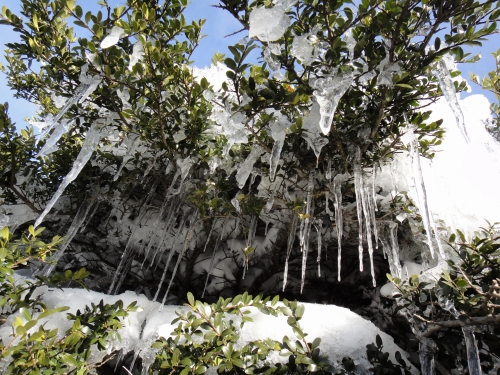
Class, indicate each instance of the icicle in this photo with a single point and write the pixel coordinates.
(350, 43)
(443, 74)
(365, 196)
(155, 225)
(77, 222)
(436, 236)
(311, 132)
(358, 187)
(130, 143)
(51, 143)
(91, 141)
(327, 205)
(318, 225)
(245, 168)
(132, 240)
(186, 244)
(372, 207)
(470, 340)
(420, 188)
(89, 217)
(305, 229)
(119, 359)
(328, 94)
(278, 134)
(170, 256)
(339, 221)
(216, 247)
(291, 240)
(391, 247)
(374, 193)
(426, 353)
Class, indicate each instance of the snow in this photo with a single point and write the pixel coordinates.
(343, 332)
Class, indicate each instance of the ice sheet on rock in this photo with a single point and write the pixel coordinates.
(130, 143)
(268, 24)
(246, 167)
(329, 91)
(137, 54)
(420, 188)
(447, 86)
(291, 240)
(338, 180)
(113, 37)
(91, 141)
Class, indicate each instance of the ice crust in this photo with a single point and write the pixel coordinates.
(268, 24)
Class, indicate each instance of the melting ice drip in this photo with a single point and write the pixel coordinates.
(443, 74)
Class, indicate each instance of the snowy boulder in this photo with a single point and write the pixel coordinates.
(343, 332)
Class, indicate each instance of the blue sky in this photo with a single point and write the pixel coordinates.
(218, 25)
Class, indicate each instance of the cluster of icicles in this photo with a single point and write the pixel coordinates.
(329, 91)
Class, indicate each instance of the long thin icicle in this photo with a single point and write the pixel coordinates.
(470, 340)
(318, 224)
(186, 245)
(132, 240)
(421, 191)
(278, 134)
(305, 229)
(245, 168)
(443, 74)
(365, 196)
(291, 240)
(77, 222)
(358, 187)
(91, 140)
(338, 180)
(216, 247)
(131, 143)
(155, 225)
(391, 247)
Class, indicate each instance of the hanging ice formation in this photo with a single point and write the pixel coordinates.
(113, 37)
(338, 180)
(390, 246)
(269, 24)
(312, 133)
(251, 235)
(77, 222)
(161, 212)
(274, 65)
(421, 191)
(232, 127)
(216, 248)
(426, 355)
(350, 43)
(278, 133)
(132, 240)
(318, 224)
(245, 168)
(470, 340)
(183, 167)
(329, 91)
(130, 143)
(88, 84)
(291, 240)
(305, 228)
(186, 241)
(91, 140)
(365, 206)
(443, 74)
